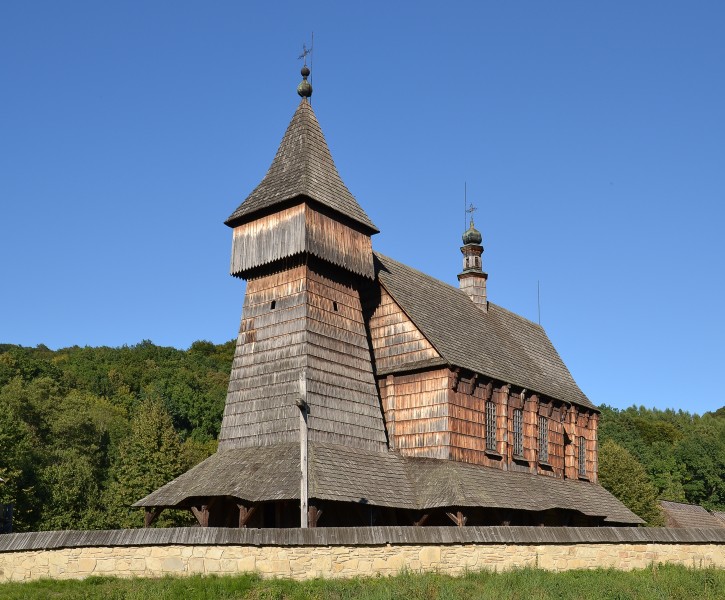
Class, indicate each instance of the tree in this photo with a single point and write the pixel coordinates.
(148, 458)
(17, 460)
(626, 478)
(81, 428)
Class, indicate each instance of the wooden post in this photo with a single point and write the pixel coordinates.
(458, 518)
(420, 522)
(313, 515)
(201, 514)
(245, 513)
(302, 405)
(150, 515)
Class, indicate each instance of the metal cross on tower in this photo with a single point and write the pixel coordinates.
(470, 210)
(305, 52)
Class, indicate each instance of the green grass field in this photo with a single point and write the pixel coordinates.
(656, 582)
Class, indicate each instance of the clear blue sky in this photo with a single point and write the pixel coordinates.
(591, 136)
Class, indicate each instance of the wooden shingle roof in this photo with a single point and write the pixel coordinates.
(497, 343)
(303, 167)
(688, 515)
(348, 474)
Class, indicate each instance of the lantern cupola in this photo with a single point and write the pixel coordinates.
(472, 279)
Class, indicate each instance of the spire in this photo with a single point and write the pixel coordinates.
(303, 167)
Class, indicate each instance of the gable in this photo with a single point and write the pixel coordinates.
(396, 340)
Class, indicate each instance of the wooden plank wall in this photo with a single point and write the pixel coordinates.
(416, 405)
(395, 339)
(298, 229)
(301, 322)
(552, 410)
(341, 391)
(582, 422)
(270, 353)
(468, 420)
(332, 240)
(273, 237)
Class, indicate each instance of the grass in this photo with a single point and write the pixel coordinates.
(655, 582)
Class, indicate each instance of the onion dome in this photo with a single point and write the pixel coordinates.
(472, 235)
(304, 89)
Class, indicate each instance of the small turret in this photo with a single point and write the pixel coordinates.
(472, 279)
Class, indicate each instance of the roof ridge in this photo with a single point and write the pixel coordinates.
(453, 287)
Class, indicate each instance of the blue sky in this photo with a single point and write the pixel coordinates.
(591, 137)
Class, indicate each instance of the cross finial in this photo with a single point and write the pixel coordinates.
(305, 52)
(470, 210)
(304, 89)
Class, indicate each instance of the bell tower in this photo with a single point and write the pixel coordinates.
(303, 244)
(472, 279)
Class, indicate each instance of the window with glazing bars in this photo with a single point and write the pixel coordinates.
(518, 432)
(582, 457)
(490, 426)
(543, 439)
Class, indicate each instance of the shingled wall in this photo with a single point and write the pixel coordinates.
(348, 552)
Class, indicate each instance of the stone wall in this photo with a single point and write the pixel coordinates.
(301, 554)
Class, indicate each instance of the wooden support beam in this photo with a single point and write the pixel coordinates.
(474, 382)
(245, 513)
(455, 378)
(313, 515)
(202, 513)
(304, 409)
(420, 522)
(488, 391)
(151, 514)
(458, 518)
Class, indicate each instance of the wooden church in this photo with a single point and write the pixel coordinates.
(364, 392)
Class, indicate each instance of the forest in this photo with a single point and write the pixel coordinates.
(85, 432)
